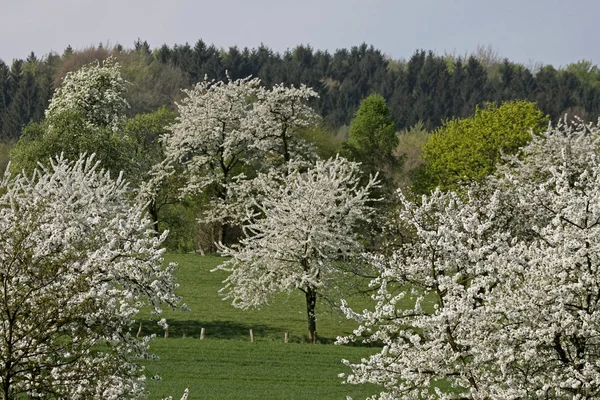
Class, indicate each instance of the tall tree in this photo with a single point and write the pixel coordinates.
(225, 129)
(84, 116)
(96, 92)
(372, 136)
(78, 260)
(298, 234)
(22, 107)
(4, 99)
(504, 296)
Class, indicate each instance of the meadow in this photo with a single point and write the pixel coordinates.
(226, 365)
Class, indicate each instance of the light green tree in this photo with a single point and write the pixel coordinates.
(468, 150)
(372, 137)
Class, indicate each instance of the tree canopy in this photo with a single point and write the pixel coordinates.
(230, 130)
(84, 116)
(424, 87)
(372, 137)
(467, 150)
(78, 261)
(299, 230)
(504, 284)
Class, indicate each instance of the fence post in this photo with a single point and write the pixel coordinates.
(251, 335)
(201, 333)
(139, 332)
(286, 337)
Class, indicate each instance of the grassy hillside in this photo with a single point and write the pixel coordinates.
(225, 365)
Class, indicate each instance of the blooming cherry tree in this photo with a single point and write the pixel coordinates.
(440, 274)
(297, 231)
(498, 293)
(85, 115)
(228, 128)
(95, 92)
(77, 262)
(276, 115)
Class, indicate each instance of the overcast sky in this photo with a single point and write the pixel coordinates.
(525, 31)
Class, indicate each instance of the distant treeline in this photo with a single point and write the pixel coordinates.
(427, 88)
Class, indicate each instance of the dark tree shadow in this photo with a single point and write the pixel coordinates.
(213, 329)
(230, 330)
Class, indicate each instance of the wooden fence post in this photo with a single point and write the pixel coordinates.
(286, 337)
(201, 333)
(251, 335)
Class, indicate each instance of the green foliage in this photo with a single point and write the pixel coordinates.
(326, 141)
(180, 219)
(70, 135)
(153, 84)
(5, 149)
(467, 150)
(225, 365)
(144, 132)
(410, 150)
(586, 72)
(372, 137)
(426, 87)
(84, 116)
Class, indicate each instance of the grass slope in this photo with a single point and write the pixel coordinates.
(227, 366)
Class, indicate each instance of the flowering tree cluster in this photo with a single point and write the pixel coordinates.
(77, 262)
(95, 92)
(298, 228)
(225, 129)
(502, 282)
(85, 115)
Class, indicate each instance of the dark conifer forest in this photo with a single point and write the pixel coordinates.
(425, 87)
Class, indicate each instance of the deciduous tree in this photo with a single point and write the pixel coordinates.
(468, 150)
(372, 137)
(77, 262)
(84, 116)
(499, 286)
(298, 231)
(94, 91)
(228, 128)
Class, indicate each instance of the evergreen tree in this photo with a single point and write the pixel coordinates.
(22, 107)
(4, 99)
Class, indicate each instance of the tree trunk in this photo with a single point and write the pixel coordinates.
(311, 301)
(153, 211)
(222, 234)
(6, 387)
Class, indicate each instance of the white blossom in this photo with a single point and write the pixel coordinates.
(503, 284)
(228, 128)
(77, 262)
(299, 228)
(95, 92)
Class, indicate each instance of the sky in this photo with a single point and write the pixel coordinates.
(530, 32)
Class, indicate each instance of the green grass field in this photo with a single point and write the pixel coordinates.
(226, 365)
